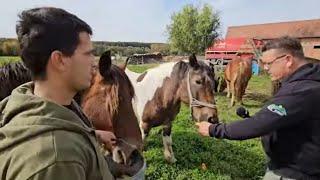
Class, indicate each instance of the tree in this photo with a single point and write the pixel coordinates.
(10, 47)
(193, 29)
(160, 47)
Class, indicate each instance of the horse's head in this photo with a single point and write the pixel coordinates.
(108, 103)
(199, 91)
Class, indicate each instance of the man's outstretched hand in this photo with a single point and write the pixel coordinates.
(203, 128)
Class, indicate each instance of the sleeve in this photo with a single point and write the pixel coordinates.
(280, 112)
(61, 170)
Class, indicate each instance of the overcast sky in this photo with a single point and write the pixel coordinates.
(146, 20)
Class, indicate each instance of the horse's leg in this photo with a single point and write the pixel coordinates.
(239, 95)
(243, 89)
(167, 143)
(233, 92)
(228, 89)
(145, 129)
(238, 90)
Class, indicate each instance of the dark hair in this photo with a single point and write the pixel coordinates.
(287, 44)
(43, 30)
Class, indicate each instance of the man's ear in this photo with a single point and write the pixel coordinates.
(58, 61)
(290, 60)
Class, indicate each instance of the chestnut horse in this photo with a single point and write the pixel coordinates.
(237, 75)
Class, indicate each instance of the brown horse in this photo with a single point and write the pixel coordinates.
(107, 103)
(160, 91)
(237, 75)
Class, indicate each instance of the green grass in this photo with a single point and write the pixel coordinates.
(141, 68)
(7, 59)
(207, 158)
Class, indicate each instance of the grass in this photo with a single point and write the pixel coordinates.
(207, 158)
(141, 68)
(7, 59)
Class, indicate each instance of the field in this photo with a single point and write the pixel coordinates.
(206, 158)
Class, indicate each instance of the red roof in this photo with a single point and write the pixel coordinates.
(230, 48)
(233, 44)
(298, 29)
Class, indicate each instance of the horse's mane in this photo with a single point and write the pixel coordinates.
(118, 78)
(11, 76)
(112, 84)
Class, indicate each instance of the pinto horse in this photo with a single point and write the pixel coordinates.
(107, 103)
(160, 91)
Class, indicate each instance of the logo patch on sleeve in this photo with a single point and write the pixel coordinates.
(278, 109)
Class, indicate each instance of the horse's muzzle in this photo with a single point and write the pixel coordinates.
(125, 160)
(213, 120)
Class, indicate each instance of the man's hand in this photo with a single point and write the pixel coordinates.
(203, 128)
(107, 138)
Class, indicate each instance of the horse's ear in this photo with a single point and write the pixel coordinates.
(124, 66)
(105, 64)
(193, 61)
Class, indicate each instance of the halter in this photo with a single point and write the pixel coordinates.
(193, 102)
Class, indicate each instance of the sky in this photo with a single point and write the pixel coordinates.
(146, 20)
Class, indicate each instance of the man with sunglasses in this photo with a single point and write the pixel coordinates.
(289, 123)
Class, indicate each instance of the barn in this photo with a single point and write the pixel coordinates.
(146, 58)
(306, 30)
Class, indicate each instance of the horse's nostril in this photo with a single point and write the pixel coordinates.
(212, 120)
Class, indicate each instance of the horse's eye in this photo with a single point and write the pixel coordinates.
(198, 81)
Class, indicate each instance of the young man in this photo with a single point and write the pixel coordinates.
(43, 133)
(290, 122)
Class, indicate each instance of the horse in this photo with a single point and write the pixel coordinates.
(11, 76)
(219, 82)
(107, 103)
(109, 98)
(237, 75)
(160, 91)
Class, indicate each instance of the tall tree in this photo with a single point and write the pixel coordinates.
(193, 29)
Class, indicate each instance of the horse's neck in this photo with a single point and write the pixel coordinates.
(153, 79)
(145, 89)
(133, 76)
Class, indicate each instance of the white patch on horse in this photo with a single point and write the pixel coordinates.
(133, 76)
(146, 88)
